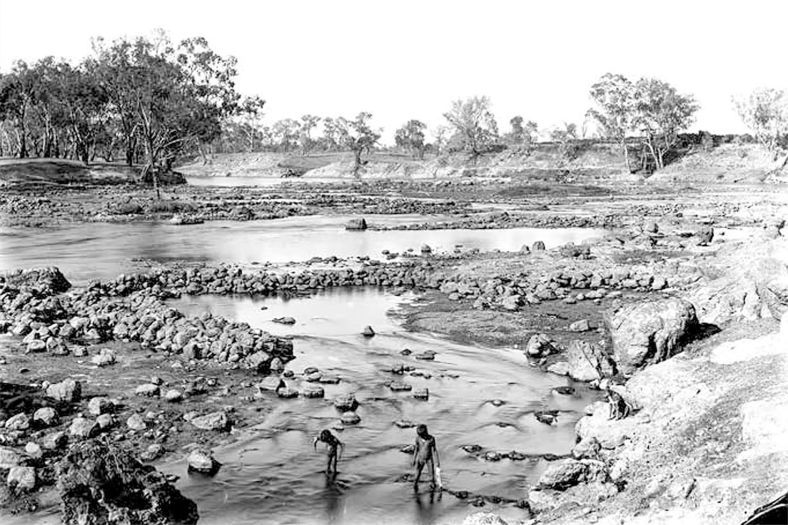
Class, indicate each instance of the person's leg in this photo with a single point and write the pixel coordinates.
(419, 468)
(335, 457)
(328, 465)
(432, 472)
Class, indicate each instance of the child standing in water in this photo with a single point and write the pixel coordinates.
(426, 452)
(334, 448)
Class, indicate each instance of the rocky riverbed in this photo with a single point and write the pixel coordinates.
(675, 311)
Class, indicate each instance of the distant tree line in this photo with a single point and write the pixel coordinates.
(147, 101)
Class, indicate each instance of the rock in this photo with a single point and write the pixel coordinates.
(97, 467)
(82, 427)
(36, 346)
(9, 457)
(105, 357)
(346, 402)
(202, 461)
(399, 386)
(350, 418)
(312, 391)
(427, 355)
(212, 421)
(548, 417)
(22, 478)
(67, 391)
(368, 331)
(705, 236)
(105, 421)
(33, 450)
(270, 384)
(588, 447)
(148, 390)
(538, 246)
(45, 417)
(649, 332)
(152, 453)
(540, 345)
(483, 518)
(564, 390)
(100, 405)
(425, 249)
(55, 441)
(421, 393)
(287, 393)
(580, 326)
(356, 224)
(260, 362)
(585, 362)
(563, 474)
(20, 421)
(173, 396)
(284, 320)
(560, 368)
(135, 422)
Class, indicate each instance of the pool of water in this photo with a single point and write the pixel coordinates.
(272, 475)
(103, 250)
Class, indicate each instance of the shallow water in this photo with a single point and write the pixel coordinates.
(273, 476)
(101, 250)
(257, 181)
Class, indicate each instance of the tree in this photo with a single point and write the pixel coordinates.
(521, 134)
(410, 137)
(765, 113)
(308, 123)
(169, 98)
(286, 133)
(441, 134)
(475, 128)
(660, 113)
(357, 136)
(17, 94)
(250, 114)
(614, 109)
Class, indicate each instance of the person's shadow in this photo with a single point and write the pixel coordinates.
(426, 510)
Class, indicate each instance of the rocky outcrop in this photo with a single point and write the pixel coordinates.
(587, 362)
(101, 483)
(649, 332)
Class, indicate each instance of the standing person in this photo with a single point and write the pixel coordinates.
(426, 452)
(334, 448)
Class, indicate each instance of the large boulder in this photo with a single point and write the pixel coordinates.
(586, 361)
(649, 332)
(101, 483)
(43, 281)
(202, 461)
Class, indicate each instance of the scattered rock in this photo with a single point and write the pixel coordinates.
(67, 391)
(202, 461)
(82, 427)
(148, 390)
(356, 224)
(368, 331)
(350, 418)
(22, 478)
(346, 402)
(135, 422)
(212, 421)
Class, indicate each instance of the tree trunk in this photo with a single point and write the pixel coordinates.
(626, 156)
(357, 163)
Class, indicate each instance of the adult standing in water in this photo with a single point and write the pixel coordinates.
(426, 451)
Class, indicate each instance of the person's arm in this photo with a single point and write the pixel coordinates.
(415, 452)
(314, 443)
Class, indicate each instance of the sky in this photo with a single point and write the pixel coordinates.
(408, 59)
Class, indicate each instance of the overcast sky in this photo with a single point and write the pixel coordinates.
(408, 59)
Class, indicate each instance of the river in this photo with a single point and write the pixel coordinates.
(103, 250)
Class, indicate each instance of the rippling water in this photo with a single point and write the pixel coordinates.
(100, 250)
(273, 475)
